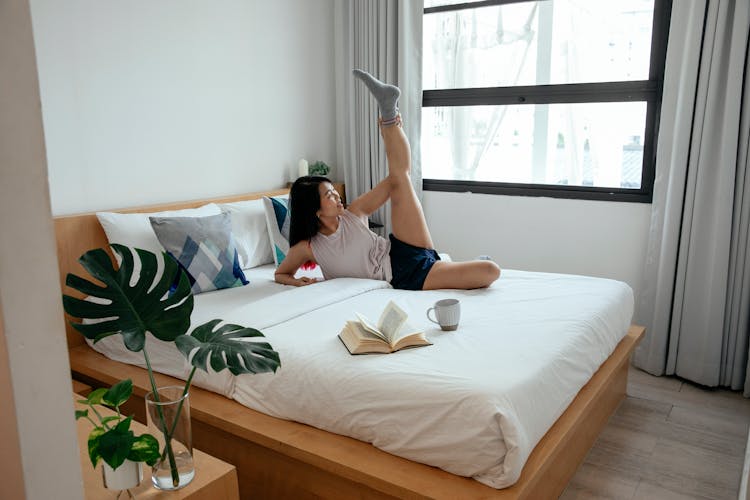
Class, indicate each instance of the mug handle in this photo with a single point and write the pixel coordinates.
(428, 316)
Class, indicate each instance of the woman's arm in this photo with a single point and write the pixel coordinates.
(298, 255)
(367, 203)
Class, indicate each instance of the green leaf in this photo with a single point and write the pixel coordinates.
(145, 448)
(227, 348)
(95, 396)
(109, 419)
(93, 444)
(118, 393)
(150, 305)
(115, 444)
(81, 414)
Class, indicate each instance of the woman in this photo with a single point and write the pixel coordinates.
(338, 239)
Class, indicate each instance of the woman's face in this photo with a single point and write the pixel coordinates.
(330, 201)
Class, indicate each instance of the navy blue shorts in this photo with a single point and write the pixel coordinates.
(410, 265)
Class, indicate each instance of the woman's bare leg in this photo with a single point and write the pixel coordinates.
(407, 218)
(462, 275)
(408, 223)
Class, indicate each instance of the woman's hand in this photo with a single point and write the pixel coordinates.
(286, 279)
(306, 281)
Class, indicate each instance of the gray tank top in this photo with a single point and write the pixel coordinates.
(353, 251)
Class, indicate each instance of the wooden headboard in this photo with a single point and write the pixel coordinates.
(77, 234)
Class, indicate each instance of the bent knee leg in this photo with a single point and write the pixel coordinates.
(462, 275)
(484, 273)
(487, 272)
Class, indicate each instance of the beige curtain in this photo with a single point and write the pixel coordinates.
(384, 38)
(696, 294)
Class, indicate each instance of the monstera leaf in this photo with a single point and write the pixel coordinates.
(150, 305)
(161, 305)
(225, 347)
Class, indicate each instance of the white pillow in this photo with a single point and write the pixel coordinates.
(250, 232)
(134, 230)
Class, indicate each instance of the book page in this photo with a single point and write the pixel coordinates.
(406, 330)
(366, 325)
(363, 333)
(391, 320)
(412, 339)
(359, 341)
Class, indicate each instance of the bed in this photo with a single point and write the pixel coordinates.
(548, 366)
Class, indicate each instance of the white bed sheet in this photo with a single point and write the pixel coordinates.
(475, 403)
(165, 358)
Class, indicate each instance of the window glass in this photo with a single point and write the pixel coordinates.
(537, 43)
(576, 144)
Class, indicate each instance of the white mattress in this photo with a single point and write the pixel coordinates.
(475, 403)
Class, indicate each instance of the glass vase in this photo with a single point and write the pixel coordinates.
(168, 415)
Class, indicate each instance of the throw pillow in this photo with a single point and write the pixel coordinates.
(278, 220)
(204, 248)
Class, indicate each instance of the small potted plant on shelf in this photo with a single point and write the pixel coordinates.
(132, 305)
(112, 441)
(320, 168)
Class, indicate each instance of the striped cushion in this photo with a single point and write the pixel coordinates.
(204, 249)
(278, 220)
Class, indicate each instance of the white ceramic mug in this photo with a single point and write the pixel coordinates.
(447, 312)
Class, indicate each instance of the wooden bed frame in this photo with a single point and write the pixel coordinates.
(282, 459)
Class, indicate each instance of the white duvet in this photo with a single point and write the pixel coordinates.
(475, 403)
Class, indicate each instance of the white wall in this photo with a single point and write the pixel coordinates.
(596, 238)
(147, 102)
(32, 330)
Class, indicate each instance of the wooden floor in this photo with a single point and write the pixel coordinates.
(668, 440)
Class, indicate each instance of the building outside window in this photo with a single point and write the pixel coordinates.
(549, 98)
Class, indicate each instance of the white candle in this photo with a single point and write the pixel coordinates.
(303, 168)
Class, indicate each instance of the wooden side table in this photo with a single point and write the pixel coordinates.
(214, 478)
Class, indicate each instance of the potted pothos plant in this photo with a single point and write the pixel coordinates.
(160, 304)
(111, 439)
(319, 168)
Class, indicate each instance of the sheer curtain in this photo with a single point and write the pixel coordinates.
(696, 295)
(384, 38)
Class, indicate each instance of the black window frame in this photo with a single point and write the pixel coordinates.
(649, 91)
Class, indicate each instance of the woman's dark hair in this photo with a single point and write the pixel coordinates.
(304, 203)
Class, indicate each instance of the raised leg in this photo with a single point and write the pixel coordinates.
(407, 218)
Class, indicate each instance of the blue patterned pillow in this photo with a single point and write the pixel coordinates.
(204, 248)
(278, 220)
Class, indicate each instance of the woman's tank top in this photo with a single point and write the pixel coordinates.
(353, 251)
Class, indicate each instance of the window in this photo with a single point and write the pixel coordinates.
(543, 98)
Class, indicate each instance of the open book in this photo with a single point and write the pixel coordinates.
(391, 334)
